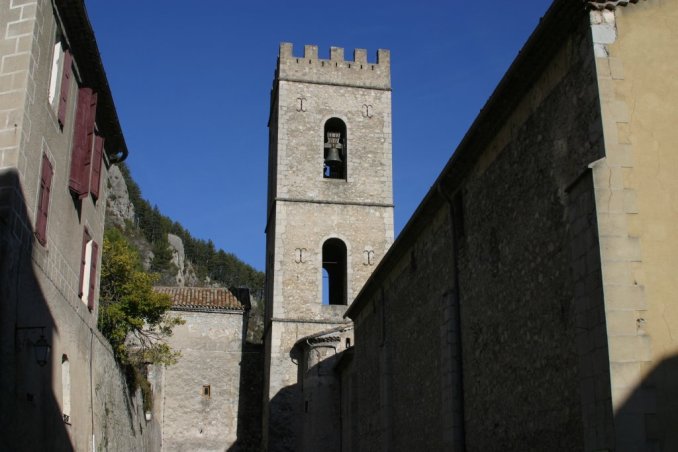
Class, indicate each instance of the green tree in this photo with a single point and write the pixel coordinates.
(162, 255)
(133, 317)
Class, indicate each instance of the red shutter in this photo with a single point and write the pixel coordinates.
(81, 157)
(43, 200)
(66, 75)
(97, 160)
(92, 275)
(83, 262)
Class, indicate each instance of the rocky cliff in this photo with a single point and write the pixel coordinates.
(120, 212)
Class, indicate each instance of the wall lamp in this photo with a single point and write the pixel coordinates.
(41, 347)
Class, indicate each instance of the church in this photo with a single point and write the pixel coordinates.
(527, 304)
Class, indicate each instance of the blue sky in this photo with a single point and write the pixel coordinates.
(191, 82)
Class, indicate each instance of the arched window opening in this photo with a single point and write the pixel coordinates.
(334, 272)
(334, 163)
(66, 388)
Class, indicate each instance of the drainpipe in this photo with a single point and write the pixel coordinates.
(456, 297)
(91, 387)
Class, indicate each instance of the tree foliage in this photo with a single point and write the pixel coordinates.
(133, 317)
(162, 256)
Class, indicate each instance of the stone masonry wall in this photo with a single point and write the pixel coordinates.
(516, 281)
(404, 348)
(524, 376)
(589, 315)
(211, 353)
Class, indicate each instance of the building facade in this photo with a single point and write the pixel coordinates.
(528, 303)
(199, 396)
(330, 208)
(60, 388)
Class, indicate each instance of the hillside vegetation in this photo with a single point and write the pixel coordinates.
(211, 266)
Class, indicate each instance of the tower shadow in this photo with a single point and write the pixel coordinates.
(647, 420)
(251, 384)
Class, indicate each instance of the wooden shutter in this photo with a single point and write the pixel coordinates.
(83, 262)
(97, 160)
(81, 157)
(92, 275)
(43, 200)
(66, 75)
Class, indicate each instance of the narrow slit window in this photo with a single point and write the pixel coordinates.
(206, 391)
(334, 272)
(334, 149)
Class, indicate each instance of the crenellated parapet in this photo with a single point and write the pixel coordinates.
(337, 70)
(611, 5)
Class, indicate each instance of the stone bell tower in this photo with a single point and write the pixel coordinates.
(330, 207)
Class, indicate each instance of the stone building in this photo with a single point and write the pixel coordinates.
(330, 208)
(60, 388)
(528, 303)
(199, 397)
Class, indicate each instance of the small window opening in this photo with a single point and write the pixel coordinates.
(334, 162)
(207, 391)
(334, 272)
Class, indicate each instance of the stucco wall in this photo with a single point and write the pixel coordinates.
(637, 196)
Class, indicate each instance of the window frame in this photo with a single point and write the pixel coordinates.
(337, 278)
(89, 257)
(335, 125)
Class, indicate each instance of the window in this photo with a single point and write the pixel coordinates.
(83, 140)
(60, 79)
(46, 174)
(334, 163)
(206, 391)
(334, 272)
(88, 269)
(57, 66)
(66, 389)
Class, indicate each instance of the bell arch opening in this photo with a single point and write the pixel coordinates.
(334, 149)
(334, 272)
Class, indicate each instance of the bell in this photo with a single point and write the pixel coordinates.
(333, 156)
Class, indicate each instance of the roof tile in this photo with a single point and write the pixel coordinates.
(202, 298)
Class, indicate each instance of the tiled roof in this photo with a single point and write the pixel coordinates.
(324, 339)
(329, 335)
(202, 298)
(608, 4)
